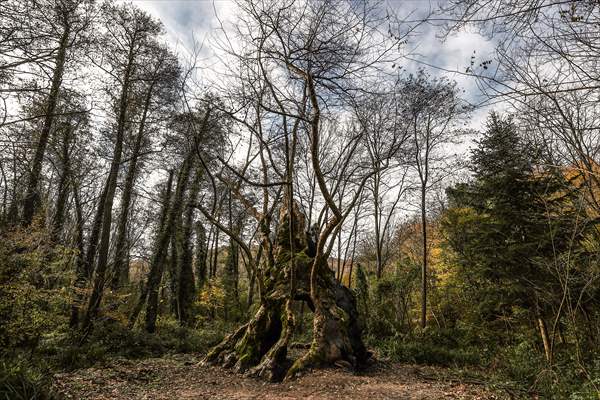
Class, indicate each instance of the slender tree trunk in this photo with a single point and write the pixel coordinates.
(377, 214)
(545, 339)
(13, 211)
(186, 286)
(92, 247)
(4, 193)
(424, 267)
(174, 273)
(111, 186)
(158, 257)
(201, 255)
(32, 196)
(339, 256)
(215, 255)
(232, 263)
(63, 187)
(162, 248)
(347, 249)
(352, 260)
(209, 250)
(232, 273)
(80, 273)
(543, 330)
(120, 267)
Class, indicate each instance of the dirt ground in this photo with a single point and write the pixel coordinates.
(182, 377)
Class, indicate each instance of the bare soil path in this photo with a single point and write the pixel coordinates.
(181, 377)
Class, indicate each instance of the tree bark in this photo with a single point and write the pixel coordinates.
(201, 255)
(110, 189)
(424, 267)
(158, 257)
(4, 194)
(260, 346)
(215, 255)
(163, 244)
(231, 275)
(32, 196)
(186, 286)
(252, 278)
(92, 247)
(545, 339)
(174, 272)
(80, 273)
(63, 186)
(120, 268)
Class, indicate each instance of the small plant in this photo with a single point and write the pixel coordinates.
(432, 348)
(18, 381)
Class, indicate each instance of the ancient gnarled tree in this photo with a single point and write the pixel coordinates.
(260, 346)
(298, 66)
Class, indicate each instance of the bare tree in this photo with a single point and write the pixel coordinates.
(301, 67)
(128, 33)
(158, 90)
(434, 112)
(545, 66)
(381, 115)
(65, 31)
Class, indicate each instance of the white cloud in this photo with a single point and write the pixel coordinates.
(189, 23)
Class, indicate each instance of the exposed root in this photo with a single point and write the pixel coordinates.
(259, 348)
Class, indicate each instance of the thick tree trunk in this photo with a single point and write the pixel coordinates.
(260, 346)
(252, 279)
(336, 328)
(32, 196)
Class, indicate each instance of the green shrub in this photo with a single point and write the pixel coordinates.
(430, 347)
(34, 278)
(69, 351)
(590, 390)
(520, 362)
(18, 381)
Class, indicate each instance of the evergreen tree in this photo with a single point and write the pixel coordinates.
(501, 224)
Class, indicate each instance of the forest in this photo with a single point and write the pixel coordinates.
(306, 200)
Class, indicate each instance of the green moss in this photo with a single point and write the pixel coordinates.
(247, 351)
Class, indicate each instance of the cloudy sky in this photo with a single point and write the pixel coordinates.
(190, 22)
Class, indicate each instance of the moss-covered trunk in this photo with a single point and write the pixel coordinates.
(336, 327)
(259, 347)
